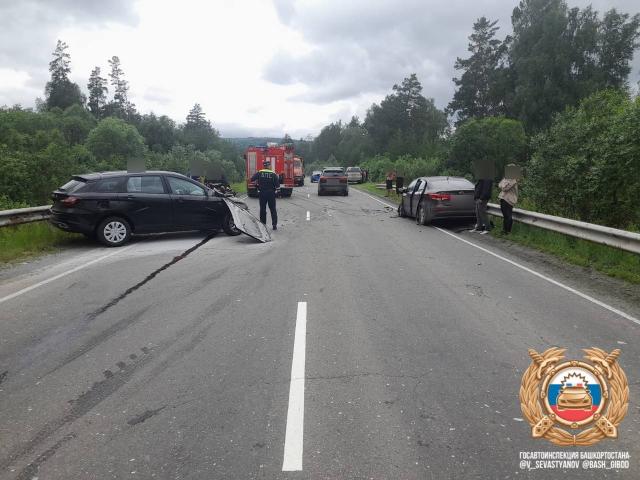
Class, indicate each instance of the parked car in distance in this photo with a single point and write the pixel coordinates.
(354, 175)
(315, 176)
(112, 206)
(333, 180)
(430, 198)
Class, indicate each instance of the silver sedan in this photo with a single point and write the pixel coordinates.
(430, 198)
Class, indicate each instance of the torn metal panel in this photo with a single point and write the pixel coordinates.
(246, 222)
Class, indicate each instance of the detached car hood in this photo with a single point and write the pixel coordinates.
(246, 222)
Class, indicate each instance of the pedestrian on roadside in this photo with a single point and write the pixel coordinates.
(508, 198)
(482, 194)
(268, 183)
(389, 182)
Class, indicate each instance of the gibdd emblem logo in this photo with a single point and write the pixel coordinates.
(590, 397)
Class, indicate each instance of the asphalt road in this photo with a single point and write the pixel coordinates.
(144, 362)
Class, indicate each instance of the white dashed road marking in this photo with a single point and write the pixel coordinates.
(308, 215)
(293, 440)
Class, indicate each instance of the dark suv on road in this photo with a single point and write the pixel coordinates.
(113, 205)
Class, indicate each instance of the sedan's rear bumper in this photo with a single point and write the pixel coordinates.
(341, 188)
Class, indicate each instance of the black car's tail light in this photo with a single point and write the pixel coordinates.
(70, 201)
(323, 180)
(343, 180)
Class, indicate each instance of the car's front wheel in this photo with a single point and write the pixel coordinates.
(229, 226)
(114, 232)
(401, 211)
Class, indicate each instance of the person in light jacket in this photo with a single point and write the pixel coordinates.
(508, 198)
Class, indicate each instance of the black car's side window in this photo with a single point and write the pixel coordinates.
(109, 185)
(184, 187)
(145, 184)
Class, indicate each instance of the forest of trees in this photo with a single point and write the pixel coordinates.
(69, 134)
(553, 96)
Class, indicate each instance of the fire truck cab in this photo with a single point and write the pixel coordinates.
(282, 163)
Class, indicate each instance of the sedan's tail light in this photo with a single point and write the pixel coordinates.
(323, 180)
(439, 196)
(70, 201)
(343, 180)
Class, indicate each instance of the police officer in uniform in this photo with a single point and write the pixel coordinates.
(268, 183)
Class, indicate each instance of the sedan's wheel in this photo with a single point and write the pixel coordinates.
(346, 193)
(229, 226)
(421, 215)
(114, 231)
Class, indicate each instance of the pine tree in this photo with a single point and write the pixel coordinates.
(478, 91)
(120, 87)
(97, 87)
(198, 130)
(196, 117)
(60, 91)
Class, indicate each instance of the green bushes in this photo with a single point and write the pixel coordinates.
(587, 165)
(405, 166)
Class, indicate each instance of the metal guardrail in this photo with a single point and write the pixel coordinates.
(24, 215)
(613, 237)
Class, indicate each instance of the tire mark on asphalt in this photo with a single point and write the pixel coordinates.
(148, 278)
(144, 416)
(31, 470)
(3, 376)
(79, 407)
(101, 337)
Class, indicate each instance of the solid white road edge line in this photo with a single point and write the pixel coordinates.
(544, 277)
(63, 274)
(293, 440)
(533, 272)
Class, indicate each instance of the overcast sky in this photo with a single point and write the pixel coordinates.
(258, 67)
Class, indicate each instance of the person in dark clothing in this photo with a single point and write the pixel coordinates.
(482, 194)
(268, 183)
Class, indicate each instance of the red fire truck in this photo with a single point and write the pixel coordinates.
(298, 171)
(281, 158)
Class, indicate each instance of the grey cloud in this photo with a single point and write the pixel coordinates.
(29, 29)
(360, 47)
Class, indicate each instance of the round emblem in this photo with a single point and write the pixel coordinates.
(574, 393)
(590, 397)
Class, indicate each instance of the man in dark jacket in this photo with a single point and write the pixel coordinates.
(482, 194)
(268, 183)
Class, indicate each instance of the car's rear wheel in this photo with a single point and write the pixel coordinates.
(229, 226)
(346, 193)
(114, 232)
(421, 215)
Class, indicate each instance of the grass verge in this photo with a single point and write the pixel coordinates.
(611, 261)
(30, 239)
(373, 190)
(239, 187)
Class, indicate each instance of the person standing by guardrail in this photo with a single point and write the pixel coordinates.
(482, 194)
(508, 198)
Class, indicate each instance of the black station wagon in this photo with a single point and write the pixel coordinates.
(111, 206)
